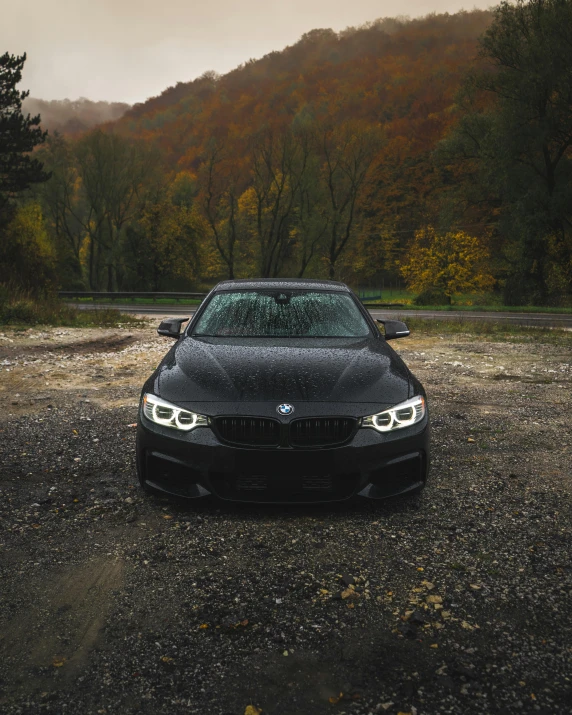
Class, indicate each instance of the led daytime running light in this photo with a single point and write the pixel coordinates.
(403, 415)
(164, 413)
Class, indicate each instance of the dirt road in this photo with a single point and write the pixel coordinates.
(116, 602)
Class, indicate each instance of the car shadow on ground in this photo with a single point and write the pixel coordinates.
(356, 506)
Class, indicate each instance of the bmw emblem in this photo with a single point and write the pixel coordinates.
(284, 409)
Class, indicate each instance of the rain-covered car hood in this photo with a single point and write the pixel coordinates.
(255, 370)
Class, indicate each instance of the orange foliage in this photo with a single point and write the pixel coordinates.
(402, 74)
(399, 77)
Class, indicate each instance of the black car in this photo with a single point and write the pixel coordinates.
(282, 391)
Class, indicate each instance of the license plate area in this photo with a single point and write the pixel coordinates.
(283, 464)
(258, 483)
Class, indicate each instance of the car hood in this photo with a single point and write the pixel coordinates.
(341, 370)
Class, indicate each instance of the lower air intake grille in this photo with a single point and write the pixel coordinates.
(251, 483)
(249, 431)
(321, 431)
(315, 483)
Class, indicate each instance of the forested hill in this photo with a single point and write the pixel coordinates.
(398, 72)
(72, 117)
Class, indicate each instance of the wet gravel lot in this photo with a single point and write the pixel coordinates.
(115, 602)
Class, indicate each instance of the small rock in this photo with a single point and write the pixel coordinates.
(434, 599)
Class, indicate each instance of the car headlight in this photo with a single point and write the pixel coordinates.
(403, 415)
(164, 413)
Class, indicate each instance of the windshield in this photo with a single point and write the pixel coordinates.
(290, 313)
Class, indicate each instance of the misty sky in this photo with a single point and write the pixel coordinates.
(129, 50)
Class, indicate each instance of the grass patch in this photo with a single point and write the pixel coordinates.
(489, 330)
(480, 308)
(489, 302)
(22, 309)
(136, 301)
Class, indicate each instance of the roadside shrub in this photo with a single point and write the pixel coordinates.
(431, 296)
(18, 307)
(27, 257)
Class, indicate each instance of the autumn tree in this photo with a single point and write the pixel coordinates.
(278, 165)
(446, 264)
(166, 244)
(27, 256)
(221, 188)
(115, 173)
(64, 207)
(348, 154)
(311, 215)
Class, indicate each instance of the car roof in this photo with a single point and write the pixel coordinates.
(281, 284)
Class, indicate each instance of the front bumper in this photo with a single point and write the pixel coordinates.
(196, 463)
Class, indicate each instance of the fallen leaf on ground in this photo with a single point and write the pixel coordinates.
(434, 599)
(252, 710)
(335, 699)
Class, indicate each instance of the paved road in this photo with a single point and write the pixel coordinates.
(544, 320)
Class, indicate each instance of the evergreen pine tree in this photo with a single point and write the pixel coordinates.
(19, 135)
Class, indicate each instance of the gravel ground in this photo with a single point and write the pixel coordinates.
(458, 601)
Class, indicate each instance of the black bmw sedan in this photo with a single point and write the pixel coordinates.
(282, 391)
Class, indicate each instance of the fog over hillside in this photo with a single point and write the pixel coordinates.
(73, 116)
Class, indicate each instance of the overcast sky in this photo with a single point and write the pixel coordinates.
(129, 50)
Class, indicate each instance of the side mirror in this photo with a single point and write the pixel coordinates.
(171, 328)
(394, 329)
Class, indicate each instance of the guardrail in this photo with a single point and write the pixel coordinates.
(125, 295)
(383, 305)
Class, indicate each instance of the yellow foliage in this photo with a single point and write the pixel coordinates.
(26, 255)
(448, 263)
(174, 235)
(28, 229)
(183, 189)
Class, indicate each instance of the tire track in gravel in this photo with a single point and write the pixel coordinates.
(63, 624)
